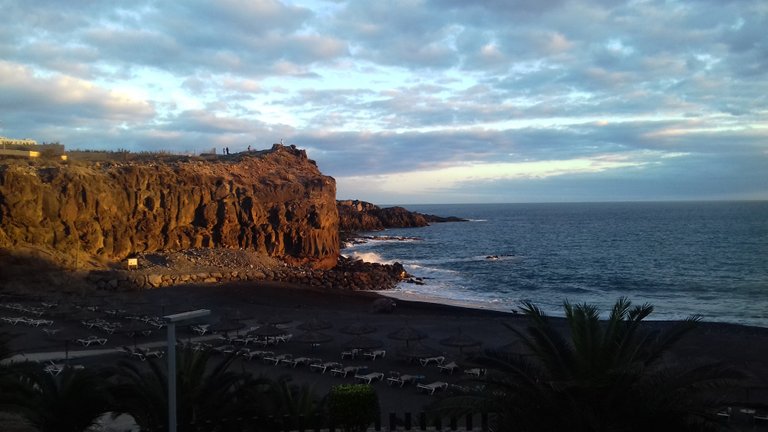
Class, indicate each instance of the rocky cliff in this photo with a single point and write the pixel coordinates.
(355, 215)
(274, 202)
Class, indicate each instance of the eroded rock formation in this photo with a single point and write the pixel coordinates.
(274, 202)
(355, 215)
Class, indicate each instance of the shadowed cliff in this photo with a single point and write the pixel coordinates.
(275, 202)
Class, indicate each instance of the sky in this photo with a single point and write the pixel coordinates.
(408, 101)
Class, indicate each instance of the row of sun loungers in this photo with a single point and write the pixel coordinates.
(255, 340)
(101, 324)
(35, 322)
(54, 368)
(88, 341)
(373, 355)
(36, 311)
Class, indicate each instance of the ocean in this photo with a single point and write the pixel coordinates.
(685, 258)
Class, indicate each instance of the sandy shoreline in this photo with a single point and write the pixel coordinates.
(744, 347)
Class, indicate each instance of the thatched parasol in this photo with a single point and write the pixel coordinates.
(407, 334)
(417, 351)
(227, 325)
(268, 330)
(312, 337)
(315, 324)
(460, 341)
(276, 319)
(358, 328)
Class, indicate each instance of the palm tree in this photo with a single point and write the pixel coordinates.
(292, 400)
(207, 393)
(609, 376)
(71, 401)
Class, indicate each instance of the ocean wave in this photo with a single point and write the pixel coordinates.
(370, 257)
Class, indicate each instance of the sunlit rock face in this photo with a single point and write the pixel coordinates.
(276, 202)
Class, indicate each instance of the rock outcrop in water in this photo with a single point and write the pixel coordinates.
(357, 215)
(275, 202)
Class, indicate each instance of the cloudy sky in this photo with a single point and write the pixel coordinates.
(412, 101)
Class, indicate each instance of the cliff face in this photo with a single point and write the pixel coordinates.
(274, 202)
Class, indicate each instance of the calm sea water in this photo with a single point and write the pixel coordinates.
(705, 258)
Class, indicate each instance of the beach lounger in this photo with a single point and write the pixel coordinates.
(133, 352)
(275, 360)
(427, 360)
(373, 355)
(432, 387)
(15, 320)
(226, 349)
(284, 338)
(200, 329)
(51, 331)
(450, 367)
(322, 367)
(200, 346)
(350, 353)
(475, 372)
(370, 377)
(250, 354)
(151, 353)
(38, 322)
(346, 370)
(92, 340)
(402, 380)
(53, 368)
(300, 361)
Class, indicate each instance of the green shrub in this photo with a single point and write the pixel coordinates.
(353, 407)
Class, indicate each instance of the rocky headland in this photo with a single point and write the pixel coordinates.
(261, 215)
(356, 216)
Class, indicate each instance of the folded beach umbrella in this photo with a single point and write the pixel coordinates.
(315, 324)
(460, 341)
(358, 328)
(407, 334)
(363, 343)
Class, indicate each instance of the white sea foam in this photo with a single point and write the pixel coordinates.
(370, 257)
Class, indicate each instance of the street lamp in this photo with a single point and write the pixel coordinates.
(171, 321)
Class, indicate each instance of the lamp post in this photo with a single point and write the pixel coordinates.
(171, 321)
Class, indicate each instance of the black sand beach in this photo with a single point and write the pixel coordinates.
(743, 347)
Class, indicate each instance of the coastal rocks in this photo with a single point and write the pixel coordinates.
(349, 275)
(273, 202)
(357, 215)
